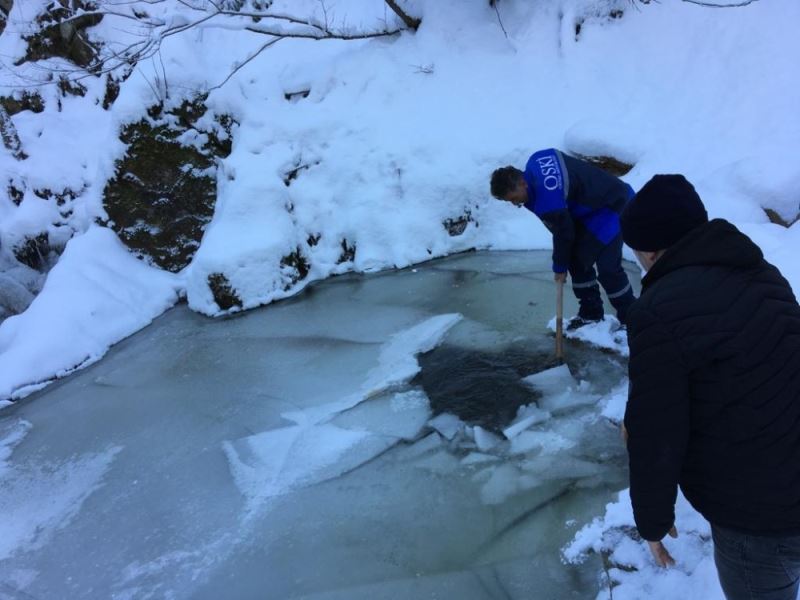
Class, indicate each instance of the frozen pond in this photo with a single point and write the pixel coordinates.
(309, 449)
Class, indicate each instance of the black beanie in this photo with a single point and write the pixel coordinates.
(661, 213)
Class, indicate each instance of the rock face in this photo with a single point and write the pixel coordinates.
(774, 217)
(609, 164)
(163, 191)
(5, 9)
(20, 281)
(224, 295)
(60, 32)
(34, 252)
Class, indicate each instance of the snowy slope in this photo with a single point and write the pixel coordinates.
(399, 135)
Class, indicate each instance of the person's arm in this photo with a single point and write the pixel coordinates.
(657, 423)
(560, 224)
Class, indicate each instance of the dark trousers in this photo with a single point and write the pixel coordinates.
(610, 275)
(755, 567)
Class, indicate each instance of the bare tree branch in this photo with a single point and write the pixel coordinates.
(243, 63)
(712, 5)
(325, 35)
(499, 20)
(410, 22)
(146, 43)
(738, 4)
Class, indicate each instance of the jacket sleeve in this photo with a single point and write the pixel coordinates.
(657, 420)
(560, 224)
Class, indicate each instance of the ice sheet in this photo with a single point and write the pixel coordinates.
(217, 494)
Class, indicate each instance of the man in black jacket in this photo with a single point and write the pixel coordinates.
(580, 204)
(714, 401)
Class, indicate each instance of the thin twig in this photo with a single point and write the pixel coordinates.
(242, 64)
(712, 5)
(499, 20)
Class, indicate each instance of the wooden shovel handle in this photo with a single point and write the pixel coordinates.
(560, 320)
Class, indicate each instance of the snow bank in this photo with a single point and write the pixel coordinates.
(630, 568)
(96, 295)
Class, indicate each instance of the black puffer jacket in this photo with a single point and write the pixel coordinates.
(714, 403)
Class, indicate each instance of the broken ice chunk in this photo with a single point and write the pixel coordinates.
(547, 441)
(400, 415)
(275, 462)
(485, 440)
(560, 391)
(447, 424)
(474, 458)
(504, 482)
(527, 416)
(552, 381)
(567, 401)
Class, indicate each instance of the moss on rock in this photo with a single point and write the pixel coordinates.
(458, 225)
(62, 38)
(609, 164)
(16, 194)
(775, 218)
(224, 294)
(295, 266)
(348, 252)
(33, 251)
(163, 192)
(17, 103)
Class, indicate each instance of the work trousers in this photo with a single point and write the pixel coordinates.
(611, 276)
(756, 567)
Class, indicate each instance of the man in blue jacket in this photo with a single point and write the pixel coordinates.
(580, 204)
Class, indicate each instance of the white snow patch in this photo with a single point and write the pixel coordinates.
(603, 334)
(95, 296)
(633, 572)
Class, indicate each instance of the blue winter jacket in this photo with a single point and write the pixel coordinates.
(578, 202)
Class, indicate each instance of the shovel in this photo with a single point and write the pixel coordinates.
(559, 322)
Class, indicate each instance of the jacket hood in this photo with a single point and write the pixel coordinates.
(716, 243)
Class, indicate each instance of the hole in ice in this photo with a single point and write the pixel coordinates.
(479, 386)
(488, 387)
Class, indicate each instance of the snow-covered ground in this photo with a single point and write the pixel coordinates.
(399, 135)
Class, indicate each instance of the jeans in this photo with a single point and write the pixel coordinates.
(755, 567)
(611, 276)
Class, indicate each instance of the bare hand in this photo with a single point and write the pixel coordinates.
(560, 277)
(660, 553)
